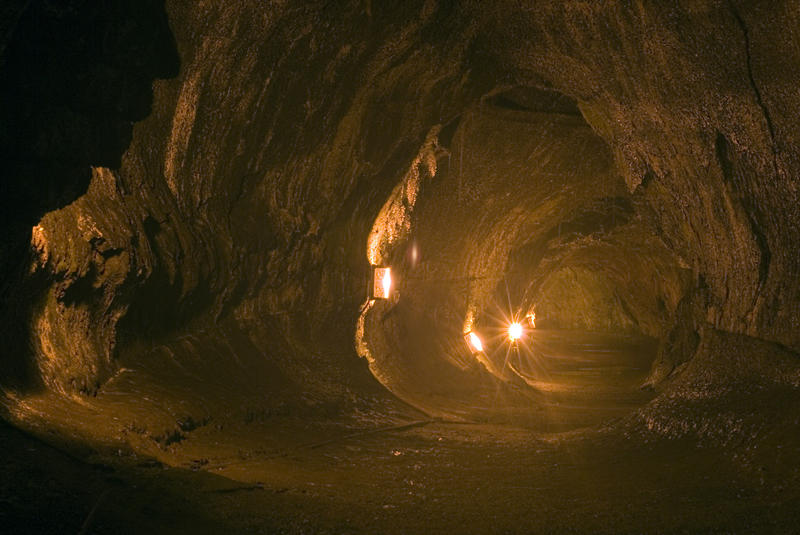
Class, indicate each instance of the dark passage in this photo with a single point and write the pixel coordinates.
(399, 267)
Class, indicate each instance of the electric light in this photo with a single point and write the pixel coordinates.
(474, 342)
(386, 282)
(514, 331)
(381, 282)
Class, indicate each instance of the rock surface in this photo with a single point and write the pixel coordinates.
(617, 166)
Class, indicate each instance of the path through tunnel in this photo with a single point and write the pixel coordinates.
(514, 212)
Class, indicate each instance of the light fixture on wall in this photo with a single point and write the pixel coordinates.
(381, 287)
(473, 342)
(515, 331)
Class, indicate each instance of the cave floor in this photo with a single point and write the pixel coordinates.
(427, 479)
(408, 474)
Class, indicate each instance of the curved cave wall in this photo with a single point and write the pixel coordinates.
(75, 76)
(645, 155)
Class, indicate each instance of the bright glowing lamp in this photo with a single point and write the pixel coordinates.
(474, 342)
(386, 282)
(514, 331)
(381, 282)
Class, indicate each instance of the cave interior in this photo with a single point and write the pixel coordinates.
(400, 267)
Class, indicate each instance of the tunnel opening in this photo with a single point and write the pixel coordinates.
(483, 232)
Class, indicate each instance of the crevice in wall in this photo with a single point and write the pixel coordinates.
(754, 85)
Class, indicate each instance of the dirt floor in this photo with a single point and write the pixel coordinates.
(429, 479)
(293, 475)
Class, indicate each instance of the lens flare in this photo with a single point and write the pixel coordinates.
(514, 331)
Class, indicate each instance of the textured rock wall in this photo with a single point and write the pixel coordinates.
(73, 78)
(249, 190)
(695, 101)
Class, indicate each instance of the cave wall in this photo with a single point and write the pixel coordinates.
(694, 100)
(249, 189)
(74, 76)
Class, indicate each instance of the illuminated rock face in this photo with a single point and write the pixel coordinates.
(74, 76)
(646, 155)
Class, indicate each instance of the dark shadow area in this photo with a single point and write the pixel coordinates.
(74, 77)
(534, 99)
(63, 493)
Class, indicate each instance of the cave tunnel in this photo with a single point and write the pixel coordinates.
(400, 267)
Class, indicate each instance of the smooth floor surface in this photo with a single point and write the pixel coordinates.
(423, 476)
